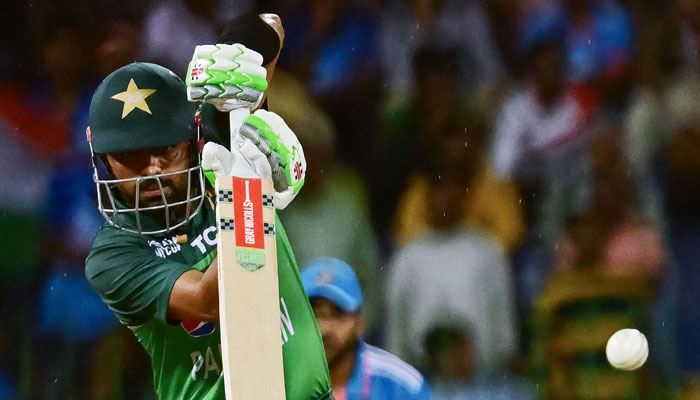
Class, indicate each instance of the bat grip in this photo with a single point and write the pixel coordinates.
(236, 118)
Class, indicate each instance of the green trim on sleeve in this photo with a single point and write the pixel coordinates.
(202, 264)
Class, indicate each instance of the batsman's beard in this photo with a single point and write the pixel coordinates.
(158, 197)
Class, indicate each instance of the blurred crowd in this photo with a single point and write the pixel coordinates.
(512, 180)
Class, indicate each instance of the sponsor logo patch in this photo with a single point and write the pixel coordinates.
(198, 328)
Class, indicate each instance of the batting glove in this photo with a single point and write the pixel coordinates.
(217, 160)
(267, 142)
(262, 146)
(229, 76)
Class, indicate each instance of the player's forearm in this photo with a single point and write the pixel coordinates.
(195, 296)
(209, 293)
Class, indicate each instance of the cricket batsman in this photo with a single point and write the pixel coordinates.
(154, 260)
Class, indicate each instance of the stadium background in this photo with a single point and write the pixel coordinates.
(513, 180)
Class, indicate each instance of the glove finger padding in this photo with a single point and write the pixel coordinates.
(274, 160)
(229, 64)
(217, 160)
(237, 52)
(254, 156)
(274, 138)
(280, 149)
(285, 143)
(227, 76)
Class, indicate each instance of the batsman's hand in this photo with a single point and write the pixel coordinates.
(264, 147)
(228, 76)
(217, 160)
(267, 142)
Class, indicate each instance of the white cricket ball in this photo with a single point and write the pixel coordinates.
(627, 349)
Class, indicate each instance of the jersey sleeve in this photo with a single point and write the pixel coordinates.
(133, 281)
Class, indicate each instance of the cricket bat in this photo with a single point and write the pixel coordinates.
(249, 308)
(249, 305)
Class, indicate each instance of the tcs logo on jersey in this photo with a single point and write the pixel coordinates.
(198, 328)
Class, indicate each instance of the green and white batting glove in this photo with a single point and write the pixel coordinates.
(217, 160)
(263, 146)
(267, 142)
(229, 76)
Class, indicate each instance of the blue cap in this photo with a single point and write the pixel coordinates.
(334, 280)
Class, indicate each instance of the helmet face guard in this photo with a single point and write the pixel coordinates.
(114, 208)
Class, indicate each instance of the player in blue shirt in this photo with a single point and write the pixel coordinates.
(358, 370)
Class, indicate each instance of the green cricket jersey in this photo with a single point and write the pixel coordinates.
(135, 274)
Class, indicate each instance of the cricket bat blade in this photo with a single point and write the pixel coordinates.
(249, 311)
